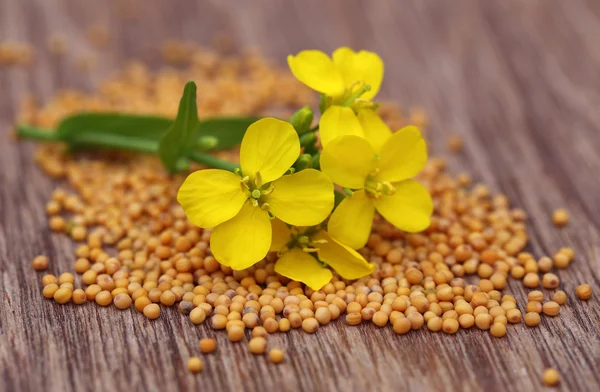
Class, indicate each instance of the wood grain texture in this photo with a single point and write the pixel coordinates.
(518, 80)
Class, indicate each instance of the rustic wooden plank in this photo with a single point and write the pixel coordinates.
(518, 80)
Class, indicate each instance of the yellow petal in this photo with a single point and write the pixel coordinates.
(281, 235)
(363, 66)
(338, 121)
(408, 209)
(243, 240)
(352, 220)
(271, 147)
(302, 199)
(302, 267)
(348, 160)
(375, 130)
(344, 260)
(402, 156)
(210, 197)
(316, 70)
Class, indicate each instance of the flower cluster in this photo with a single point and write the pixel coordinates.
(281, 199)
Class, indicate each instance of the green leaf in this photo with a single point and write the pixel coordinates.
(179, 140)
(112, 130)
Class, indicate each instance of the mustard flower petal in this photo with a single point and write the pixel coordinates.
(316, 70)
(402, 156)
(344, 260)
(243, 240)
(352, 220)
(375, 130)
(302, 267)
(302, 199)
(271, 147)
(281, 235)
(338, 121)
(348, 160)
(409, 208)
(210, 197)
(360, 66)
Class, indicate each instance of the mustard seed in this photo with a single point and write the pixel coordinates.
(40, 263)
(513, 316)
(532, 319)
(560, 297)
(353, 318)
(258, 345)
(207, 345)
(380, 319)
(141, 302)
(152, 311)
(450, 326)
(62, 296)
(66, 278)
(92, 291)
(82, 265)
(561, 260)
(402, 326)
(49, 278)
(276, 355)
(551, 308)
(195, 365)
(259, 332)
(551, 377)
(235, 333)
(535, 295)
(560, 217)
(197, 316)
(79, 297)
(534, 306)
(483, 321)
(104, 298)
(323, 316)
(310, 325)
(584, 292)
(531, 280)
(498, 330)
(218, 321)
(122, 301)
(466, 320)
(49, 290)
(550, 281)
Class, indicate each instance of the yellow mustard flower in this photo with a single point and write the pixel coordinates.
(350, 79)
(302, 252)
(239, 206)
(380, 170)
(340, 75)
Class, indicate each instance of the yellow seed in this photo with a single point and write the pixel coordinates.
(402, 326)
(40, 263)
(551, 308)
(551, 377)
(435, 324)
(560, 297)
(380, 318)
(466, 320)
(513, 316)
(79, 297)
(534, 306)
(498, 330)
(323, 315)
(450, 326)
(152, 311)
(550, 281)
(276, 355)
(207, 345)
(531, 280)
(122, 301)
(584, 292)
(532, 319)
(82, 265)
(353, 318)
(49, 278)
(197, 316)
(235, 333)
(483, 321)
(49, 290)
(535, 295)
(62, 296)
(66, 278)
(561, 260)
(195, 365)
(104, 298)
(258, 345)
(141, 302)
(310, 325)
(560, 217)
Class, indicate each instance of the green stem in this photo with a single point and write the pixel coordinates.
(35, 133)
(113, 141)
(213, 161)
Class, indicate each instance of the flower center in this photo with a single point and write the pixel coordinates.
(377, 189)
(256, 190)
(302, 238)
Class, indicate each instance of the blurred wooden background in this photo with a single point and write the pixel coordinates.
(518, 80)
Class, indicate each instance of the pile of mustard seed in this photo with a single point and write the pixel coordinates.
(137, 249)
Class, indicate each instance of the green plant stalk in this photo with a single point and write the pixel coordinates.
(111, 141)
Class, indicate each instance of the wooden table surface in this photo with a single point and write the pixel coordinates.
(518, 80)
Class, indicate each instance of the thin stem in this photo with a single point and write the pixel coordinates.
(213, 161)
(35, 133)
(114, 141)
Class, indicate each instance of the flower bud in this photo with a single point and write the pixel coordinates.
(206, 143)
(302, 119)
(303, 162)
